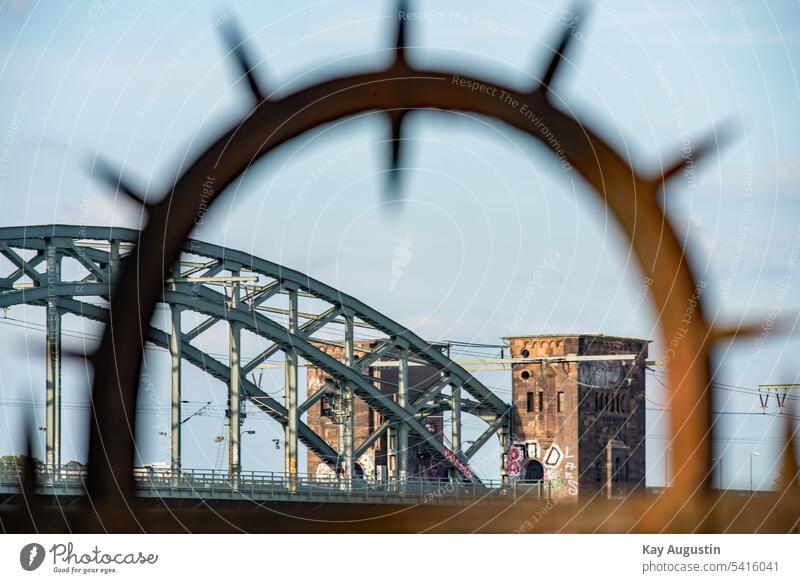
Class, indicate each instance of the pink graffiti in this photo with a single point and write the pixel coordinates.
(460, 466)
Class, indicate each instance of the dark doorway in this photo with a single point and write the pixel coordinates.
(534, 471)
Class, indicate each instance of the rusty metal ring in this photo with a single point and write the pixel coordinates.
(632, 196)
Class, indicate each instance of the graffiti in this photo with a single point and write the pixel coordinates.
(367, 463)
(516, 454)
(570, 470)
(553, 457)
(555, 484)
(324, 473)
(560, 468)
(460, 466)
(561, 471)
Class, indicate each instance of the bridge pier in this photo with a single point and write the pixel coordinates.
(52, 361)
(290, 458)
(234, 388)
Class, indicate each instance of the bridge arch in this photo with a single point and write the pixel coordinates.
(249, 287)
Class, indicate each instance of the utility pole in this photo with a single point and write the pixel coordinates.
(779, 391)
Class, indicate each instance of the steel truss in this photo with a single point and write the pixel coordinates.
(225, 285)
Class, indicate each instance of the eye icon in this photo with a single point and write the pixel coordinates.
(31, 556)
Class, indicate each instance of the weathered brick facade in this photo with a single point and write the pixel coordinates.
(580, 425)
(375, 463)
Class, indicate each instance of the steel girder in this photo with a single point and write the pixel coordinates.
(80, 244)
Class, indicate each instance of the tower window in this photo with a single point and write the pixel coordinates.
(541, 401)
(530, 402)
(525, 353)
(560, 402)
(525, 375)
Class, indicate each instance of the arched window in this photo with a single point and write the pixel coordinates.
(534, 471)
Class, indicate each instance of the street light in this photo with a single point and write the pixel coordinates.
(752, 453)
(719, 464)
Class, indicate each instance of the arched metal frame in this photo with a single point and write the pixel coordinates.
(632, 196)
(191, 287)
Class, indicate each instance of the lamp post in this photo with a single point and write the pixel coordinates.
(752, 453)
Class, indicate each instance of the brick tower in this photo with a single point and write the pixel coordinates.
(379, 460)
(579, 418)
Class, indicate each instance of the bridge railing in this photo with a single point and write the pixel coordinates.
(259, 484)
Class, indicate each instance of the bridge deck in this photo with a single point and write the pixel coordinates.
(278, 487)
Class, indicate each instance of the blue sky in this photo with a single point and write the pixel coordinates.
(147, 84)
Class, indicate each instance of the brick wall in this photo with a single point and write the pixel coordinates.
(583, 422)
(375, 460)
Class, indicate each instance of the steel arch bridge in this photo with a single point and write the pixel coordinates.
(71, 270)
